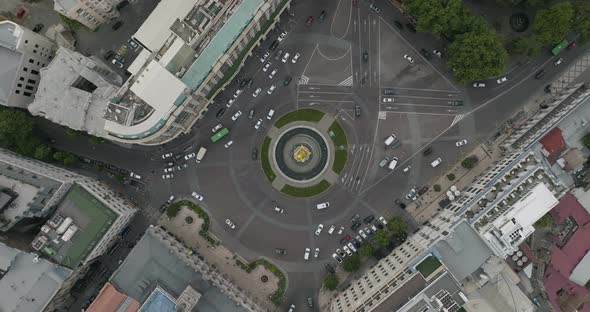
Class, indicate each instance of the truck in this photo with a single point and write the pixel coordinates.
(201, 154)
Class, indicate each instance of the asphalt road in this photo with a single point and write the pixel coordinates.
(333, 77)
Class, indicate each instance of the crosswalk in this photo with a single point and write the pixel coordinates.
(347, 82)
(457, 119)
(303, 80)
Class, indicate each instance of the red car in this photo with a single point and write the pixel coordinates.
(572, 45)
(309, 21)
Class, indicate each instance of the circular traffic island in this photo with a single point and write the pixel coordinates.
(304, 152)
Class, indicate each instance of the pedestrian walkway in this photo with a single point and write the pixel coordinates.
(221, 258)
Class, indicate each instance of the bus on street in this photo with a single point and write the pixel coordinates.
(217, 136)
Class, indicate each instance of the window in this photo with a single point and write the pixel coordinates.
(83, 84)
(29, 88)
(21, 78)
(34, 72)
(36, 45)
(25, 69)
(31, 61)
(35, 51)
(26, 41)
(17, 91)
(27, 93)
(31, 81)
(20, 85)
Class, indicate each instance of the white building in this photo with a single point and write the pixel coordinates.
(89, 13)
(74, 92)
(22, 55)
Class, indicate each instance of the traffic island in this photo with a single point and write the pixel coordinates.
(304, 152)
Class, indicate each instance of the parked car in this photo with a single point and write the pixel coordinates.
(228, 144)
(365, 56)
(558, 62)
(254, 153)
(437, 53)
(279, 209)
(316, 252)
(382, 220)
(236, 115)
(273, 73)
(460, 143)
(135, 176)
(479, 85)
(264, 57)
(282, 36)
(167, 176)
(280, 251)
(322, 16)
(266, 67)
(355, 226)
(502, 80)
(230, 224)
(271, 89)
(285, 57)
(166, 155)
(189, 156)
(374, 8)
(337, 258)
(540, 74)
(306, 256)
(38, 27)
(400, 203)
(217, 127)
(341, 230)
(117, 25)
(295, 58)
(132, 44)
(409, 58)
(256, 92)
(197, 196)
(369, 218)
(287, 80)
(331, 229)
(318, 231)
(117, 63)
(357, 110)
(258, 124)
(388, 100)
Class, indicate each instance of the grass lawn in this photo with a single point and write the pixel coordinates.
(340, 154)
(270, 175)
(306, 191)
(428, 265)
(305, 114)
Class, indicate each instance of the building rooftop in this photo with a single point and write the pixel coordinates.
(402, 295)
(10, 59)
(27, 283)
(76, 227)
(109, 299)
(553, 144)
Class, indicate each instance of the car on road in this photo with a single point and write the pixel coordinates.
(266, 66)
(409, 58)
(316, 252)
(331, 229)
(347, 250)
(388, 100)
(322, 16)
(398, 202)
(189, 156)
(230, 224)
(237, 93)
(280, 251)
(271, 89)
(318, 231)
(258, 124)
(340, 253)
(540, 74)
(168, 170)
(256, 92)
(135, 176)
(236, 115)
(264, 57)
(254, 153)
(230, 102)
(273, 73)
(337, 258)
(460, 143)
(217, 127)
(117, 25)
(502, 80)
(117, 63)
(279, 209)
(197, 196)
(479, 85)
(384, 162)
(271, 113)
(166, 155)
(382, 220)
(278, 54)
(287, 80)
(365, 56)
(228, 144)
(323, 205)
(309, 21)
(389, 92)
(341, 230)
(286, 57)
(306, 255)
(351, 247)
(292, 307)
(357, 110)
(295, 58)
(363, 235)
(437, 53)
(167, 176)
(374, 8)
(282, 36)
(369, 218)
(558, 62)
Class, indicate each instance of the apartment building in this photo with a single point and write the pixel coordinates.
(90, 13)
(191, 50)
(22, 55)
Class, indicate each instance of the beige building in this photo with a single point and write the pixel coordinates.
(90, 13)
(22, 55)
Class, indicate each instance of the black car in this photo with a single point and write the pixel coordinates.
(220, 112)
(254, 153)
(378, 225)
(365, 56)
(322, 16)
(399, 25)
(355, 226)
(245, 82)
(389, 92)
(400, 203)
(287, 80)
(38, 27)
(427, 151)
(273, 45)
(423, 190)
(540, 74)
(547, 88)
(280, 251)
(117, 25)
(109, 54)
(457, 103)
(357, 110)
(369, 218)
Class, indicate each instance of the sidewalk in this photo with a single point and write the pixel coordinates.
(221, 258)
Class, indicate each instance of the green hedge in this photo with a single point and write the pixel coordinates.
(270, 175)
(340, 147)
(306, 114)
(306, 191)
(204, 231)
(278, 296)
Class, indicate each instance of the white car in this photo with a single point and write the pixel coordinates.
(331, 229)
(363, 235)
(266, 67)
(347, 250)
(189, 156)
(382, 220)
(167, 176)
(358, 238)
(273, 73)
(135, 176)
(306, 255)
(237, 93)
(256, 92)
(295, 58)
(319, 229)
(409, 58)
(236, 115)
(502, 80)
(258, 124)
(341, 230)
(271, 89)
(197, 196)
(167, 155)
(337, 258)
(406, 169)
(217, 127)
(388, 100)
(479, 85)
(168, 170)
(282, 36)
(323, 205)
(230, 103)
(279, 210)
(316, 253)
(228, 144)
(351, 246)
(558, 62)
(264, 57)
(230, 224)
(286, 57)
(461, 143)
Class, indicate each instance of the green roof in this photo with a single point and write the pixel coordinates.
(428, 265)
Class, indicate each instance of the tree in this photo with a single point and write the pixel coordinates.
(474, 56)
(551, 25)
(59, 156)
(466, 22)
(15, 126)
(470, 162)
(95, 140)
(42, 152)
(71, 133)
(545, 220)
(433, 15)
(581, 23)
(172, 211)
(451, 176)
(586, 140)
(436, 188)
(537, 3)
(396, 225)
(381, 238)
(366, 249)
(352, 263)
(331, 281)
(526, 46)
(70, 159)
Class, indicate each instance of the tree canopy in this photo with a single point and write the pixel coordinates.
(581, 23)
(527, 46)
(474, 56)
(433, 15)
(331, 281)
(551, 25)
(352, 263)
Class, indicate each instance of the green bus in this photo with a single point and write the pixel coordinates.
(560, 46)
(217, 136)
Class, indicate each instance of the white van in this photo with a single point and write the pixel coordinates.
(393, 163)
(389, 140)
(270, 114)
(323, 205)
(306, 255)
(436, 162)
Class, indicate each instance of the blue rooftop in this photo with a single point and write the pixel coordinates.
(159, 301)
